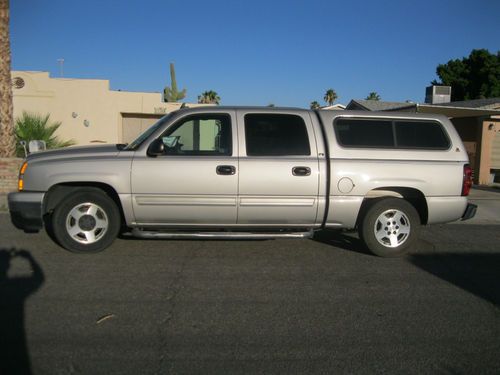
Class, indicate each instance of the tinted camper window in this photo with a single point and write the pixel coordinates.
(391, 134)
(364, 133)
(420, 134)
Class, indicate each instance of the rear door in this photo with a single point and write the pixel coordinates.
(195, 181)
(279, 169)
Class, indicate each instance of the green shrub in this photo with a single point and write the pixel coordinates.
(31, 126)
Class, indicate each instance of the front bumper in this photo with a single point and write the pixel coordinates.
(26, 210)
(470, 211)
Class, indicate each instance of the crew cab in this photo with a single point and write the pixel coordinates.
(251, 172)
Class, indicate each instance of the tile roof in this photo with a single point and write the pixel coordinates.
(469, 108)
(378, 105)
(477, 103)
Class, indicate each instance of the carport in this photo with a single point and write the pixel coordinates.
(478, 129)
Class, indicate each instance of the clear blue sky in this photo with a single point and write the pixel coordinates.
(254, 52)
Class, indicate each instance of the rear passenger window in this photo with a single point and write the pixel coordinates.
(405, 134)
(276, 135)
(419, 134)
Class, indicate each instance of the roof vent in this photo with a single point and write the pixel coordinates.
(437, 94)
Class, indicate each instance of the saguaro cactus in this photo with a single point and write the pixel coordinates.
(171, 94)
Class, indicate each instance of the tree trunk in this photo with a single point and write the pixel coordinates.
(7, 139)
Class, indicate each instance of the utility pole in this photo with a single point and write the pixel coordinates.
(61, 67)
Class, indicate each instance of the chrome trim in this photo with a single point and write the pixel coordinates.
(216, 235)
(278, 202)
(144, 200)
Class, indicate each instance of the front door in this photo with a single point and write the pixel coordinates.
(195, 181)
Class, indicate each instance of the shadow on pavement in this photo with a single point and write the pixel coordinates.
(477, 273)
(14, 356)
(341, 240)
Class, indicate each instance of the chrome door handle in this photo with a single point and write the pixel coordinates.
(301, 171)
(226, 170)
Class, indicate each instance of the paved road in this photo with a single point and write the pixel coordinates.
(226, 307)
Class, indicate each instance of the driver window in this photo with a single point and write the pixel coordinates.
(200, 135)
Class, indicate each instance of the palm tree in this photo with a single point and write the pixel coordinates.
(330, 96)
(31, 127)
(373, 96)
(315, 105)
(209, 97)
(7, 140)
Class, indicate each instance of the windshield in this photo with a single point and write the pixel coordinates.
(132, 146)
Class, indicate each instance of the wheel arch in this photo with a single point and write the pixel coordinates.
(57, 193)
(414, 196)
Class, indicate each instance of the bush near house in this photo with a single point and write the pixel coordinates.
(32, 126)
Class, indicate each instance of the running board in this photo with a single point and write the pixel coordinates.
(219, 235)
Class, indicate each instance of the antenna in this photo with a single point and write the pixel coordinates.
(61, 67)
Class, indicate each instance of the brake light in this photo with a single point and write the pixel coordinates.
(20, 183)
(467, 183)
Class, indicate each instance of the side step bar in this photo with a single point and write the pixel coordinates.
(219, 235)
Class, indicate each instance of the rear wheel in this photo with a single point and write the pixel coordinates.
(390, 227)
(86, 221)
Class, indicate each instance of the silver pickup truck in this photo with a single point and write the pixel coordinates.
(240, 172)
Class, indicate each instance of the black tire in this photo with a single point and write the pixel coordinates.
(390, 227)
(86, 221)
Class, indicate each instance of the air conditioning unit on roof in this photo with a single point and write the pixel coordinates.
(437, 94)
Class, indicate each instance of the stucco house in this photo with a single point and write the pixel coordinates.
(89, 111)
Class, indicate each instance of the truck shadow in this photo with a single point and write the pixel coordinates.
(477, 273)
(342, 240)
(14, 290)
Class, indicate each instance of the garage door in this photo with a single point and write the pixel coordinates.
(135, 124)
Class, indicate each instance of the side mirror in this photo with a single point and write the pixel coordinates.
(156, 148)
(24, 144)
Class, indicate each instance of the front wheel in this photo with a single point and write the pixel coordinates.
(86, 221)
(390, 227)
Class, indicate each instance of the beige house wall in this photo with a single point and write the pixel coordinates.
(481, 139)
(88, 110)
(495, 149)
(485, 156)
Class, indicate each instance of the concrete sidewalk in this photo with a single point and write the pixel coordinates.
(488, 205)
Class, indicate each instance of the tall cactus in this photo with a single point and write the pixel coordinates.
(171, 94)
